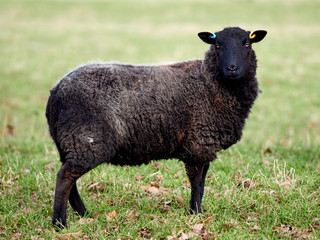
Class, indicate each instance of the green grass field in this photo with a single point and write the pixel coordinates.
(265, 187)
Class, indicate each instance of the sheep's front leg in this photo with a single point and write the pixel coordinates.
(66, 179)
(197, 175)
(203, 179)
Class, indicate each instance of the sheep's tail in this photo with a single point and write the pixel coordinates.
(52, 114)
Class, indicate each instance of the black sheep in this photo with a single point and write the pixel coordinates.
(129, 115)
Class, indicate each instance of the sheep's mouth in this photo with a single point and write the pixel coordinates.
(236, 74)
(233, 76)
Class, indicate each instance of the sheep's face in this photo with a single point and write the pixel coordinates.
(232, 47)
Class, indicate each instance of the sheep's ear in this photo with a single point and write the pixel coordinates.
(207, 37)
(257, 36)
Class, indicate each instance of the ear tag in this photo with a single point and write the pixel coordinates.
(213, 36)
(252, 36)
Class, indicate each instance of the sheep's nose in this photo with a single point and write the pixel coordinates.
(232, 68)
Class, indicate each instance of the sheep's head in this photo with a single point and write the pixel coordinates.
(232, 47)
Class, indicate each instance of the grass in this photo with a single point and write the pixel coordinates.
(265, 187)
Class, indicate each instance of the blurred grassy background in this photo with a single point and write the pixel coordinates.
(40, 41)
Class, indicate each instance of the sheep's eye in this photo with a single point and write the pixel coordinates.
(217, 45)
(247, 45)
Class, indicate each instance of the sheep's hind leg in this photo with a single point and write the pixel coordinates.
(196, 176)
(66, 179)
(76, 202)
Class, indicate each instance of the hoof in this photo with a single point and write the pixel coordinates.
(59, 224)
(87, 215)
(195, 212)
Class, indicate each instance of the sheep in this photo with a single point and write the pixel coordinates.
(131, 114)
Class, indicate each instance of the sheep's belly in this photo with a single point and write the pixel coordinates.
(138, 158)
